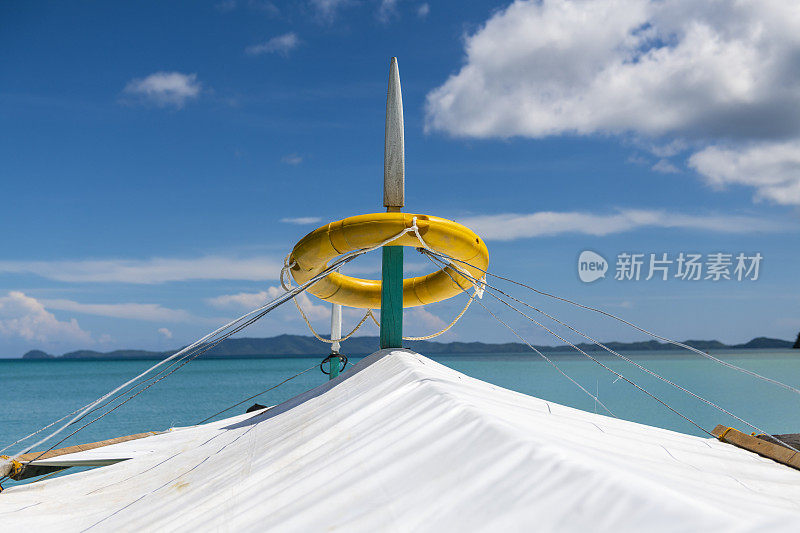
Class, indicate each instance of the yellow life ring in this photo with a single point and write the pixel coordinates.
(311, 255)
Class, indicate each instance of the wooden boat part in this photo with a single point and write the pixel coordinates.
(33, 465)
(770, 450)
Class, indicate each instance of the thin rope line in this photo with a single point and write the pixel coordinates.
(186, 360)
(453, 323)
(543, 356)
(263, 311)
(89, 408)
(51, 424)
(712, 404)
(645, 369)
(110, 401)
(370, 314)
(596, 399)
(447, 327)
(258, 394)
(148, 380)
(638, 328)
(51, 474)
(659, 400)
(323, 339)
(375, 320)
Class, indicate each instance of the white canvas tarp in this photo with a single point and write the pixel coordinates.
(401, 443)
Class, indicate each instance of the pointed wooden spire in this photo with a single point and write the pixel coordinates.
(394, 150)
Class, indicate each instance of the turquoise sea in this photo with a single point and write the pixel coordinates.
(35, 393)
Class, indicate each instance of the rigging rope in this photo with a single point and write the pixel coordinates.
(622, 320)
(698, 426)
(189, 352)
(147, 383)
(665, 380)
(331, 341)
(543, 356)
(448, 326)
(638, 365)
(257, 394)
(441, 331)
(370, 314)
(162, 375)
(550, 361)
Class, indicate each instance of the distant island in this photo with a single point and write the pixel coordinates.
(294, 345)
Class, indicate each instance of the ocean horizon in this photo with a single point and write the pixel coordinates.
(36, 393)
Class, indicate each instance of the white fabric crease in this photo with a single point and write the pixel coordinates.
(403, 443)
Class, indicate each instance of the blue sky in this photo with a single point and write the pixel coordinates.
(154, 153)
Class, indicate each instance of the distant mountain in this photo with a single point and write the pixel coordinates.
(37, 354)
(116, 354)
(289, 345)
(764, 342)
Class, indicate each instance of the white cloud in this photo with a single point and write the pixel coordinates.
(164, 269)
(314, 311)
(637, 159)
(264, 6)
(225, 6)
(326, 10)
(253, 300)
(683, 73)
(423, 11)
(292, 159)
(165, 332)
(135, 311)
(683, 67)
(669, 149)
(510, 226)
(387, 10)
(165, 88)
(665, 167)
(773, 169)
(25, 317)
(301, 220)
(147, 271)
(423, 320)
(282, 44)
(246, 300)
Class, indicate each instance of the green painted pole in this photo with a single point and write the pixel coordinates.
(392, 298)
(334, 366)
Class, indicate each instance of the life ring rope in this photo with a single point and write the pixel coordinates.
(313, 252)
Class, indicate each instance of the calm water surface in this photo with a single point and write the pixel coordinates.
(35, 393)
